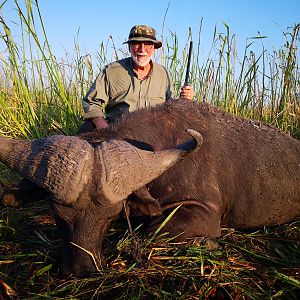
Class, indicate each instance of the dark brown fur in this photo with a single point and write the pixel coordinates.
(246, 174)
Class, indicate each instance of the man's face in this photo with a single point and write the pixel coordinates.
(141, 53)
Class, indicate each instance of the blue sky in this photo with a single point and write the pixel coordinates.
(97, 20)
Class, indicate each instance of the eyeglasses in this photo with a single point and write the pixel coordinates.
(147, 45)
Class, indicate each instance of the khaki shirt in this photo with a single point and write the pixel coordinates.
(118, 87)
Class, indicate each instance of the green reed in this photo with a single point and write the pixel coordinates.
(40, 92)
(261, 86)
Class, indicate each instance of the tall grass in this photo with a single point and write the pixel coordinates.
(41, 94)
(261, 86)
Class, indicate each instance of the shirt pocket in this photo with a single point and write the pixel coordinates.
(119, 84)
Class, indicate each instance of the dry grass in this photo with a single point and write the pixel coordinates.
(260, 264)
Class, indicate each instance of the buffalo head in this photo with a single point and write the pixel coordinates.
(88, 184)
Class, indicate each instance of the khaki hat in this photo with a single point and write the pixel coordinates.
(143, 33)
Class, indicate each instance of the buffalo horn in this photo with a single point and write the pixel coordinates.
(60, 164)
(126, 168)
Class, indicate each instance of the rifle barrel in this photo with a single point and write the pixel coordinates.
(187, 74)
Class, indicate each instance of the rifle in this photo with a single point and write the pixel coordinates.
(187, 74)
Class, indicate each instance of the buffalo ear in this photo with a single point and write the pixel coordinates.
(144, 203)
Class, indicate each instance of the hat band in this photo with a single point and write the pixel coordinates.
(142, 35)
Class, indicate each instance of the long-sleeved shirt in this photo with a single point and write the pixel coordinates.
(118, 88)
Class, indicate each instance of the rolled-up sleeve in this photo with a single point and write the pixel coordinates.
(93, 102)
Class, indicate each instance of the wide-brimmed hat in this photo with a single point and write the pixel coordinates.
(143, 33)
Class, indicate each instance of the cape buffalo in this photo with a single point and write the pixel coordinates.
(244, 175)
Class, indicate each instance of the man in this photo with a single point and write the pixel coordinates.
(131, 83)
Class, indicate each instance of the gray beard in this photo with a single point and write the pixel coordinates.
(139, 63)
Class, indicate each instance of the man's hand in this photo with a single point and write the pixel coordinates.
(100, 123)
(187, 92)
